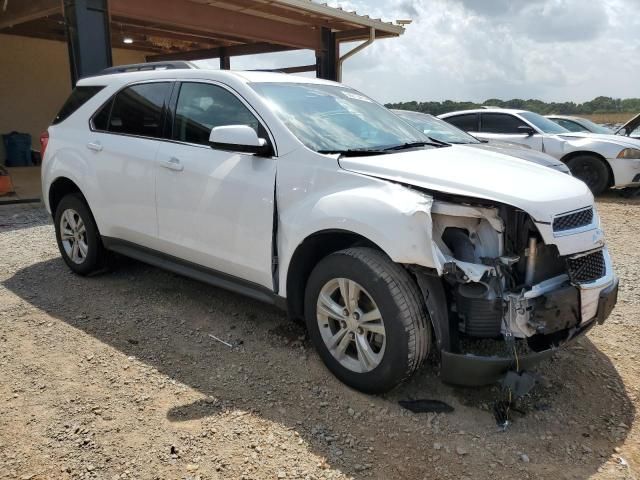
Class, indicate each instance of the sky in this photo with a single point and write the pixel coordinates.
(552, 50)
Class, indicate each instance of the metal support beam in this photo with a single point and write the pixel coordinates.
(350, 53)
(327, 57)
(88, 37)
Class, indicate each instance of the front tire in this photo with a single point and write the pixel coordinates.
(592, 171)
(367, 319)
(77, 235)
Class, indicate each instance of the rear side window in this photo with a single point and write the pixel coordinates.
(79, 96)
(136, 110)
(467, 122)
(203, 106)
(501, 123)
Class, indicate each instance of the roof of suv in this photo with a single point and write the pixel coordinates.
(483, 110)
(199, 73)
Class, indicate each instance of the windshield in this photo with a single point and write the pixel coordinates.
(594, 127)
(436, 128)
(330, 118)
(543, 124)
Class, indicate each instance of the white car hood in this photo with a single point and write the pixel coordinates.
(539, 191)
(624, 142)
(515, 150)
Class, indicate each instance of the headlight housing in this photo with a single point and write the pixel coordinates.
(630, 154)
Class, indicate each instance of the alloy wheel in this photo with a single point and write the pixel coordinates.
(73, 236)
(351, 325)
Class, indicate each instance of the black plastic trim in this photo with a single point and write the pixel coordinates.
(192, 270)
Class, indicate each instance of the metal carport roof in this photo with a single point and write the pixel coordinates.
(197, 29)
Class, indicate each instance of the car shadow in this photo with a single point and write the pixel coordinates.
(165, 320)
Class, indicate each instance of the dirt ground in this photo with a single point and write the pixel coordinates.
(116, 377)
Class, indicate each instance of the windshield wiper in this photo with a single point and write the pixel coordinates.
(354, 152)
(433, 143)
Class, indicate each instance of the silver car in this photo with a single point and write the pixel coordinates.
(579, 124)
(631, 128)
(601, 161)
(445, 132)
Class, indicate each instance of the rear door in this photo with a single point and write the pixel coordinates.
(215, 207)
(506, 127)
(468, 122)
(124, 141)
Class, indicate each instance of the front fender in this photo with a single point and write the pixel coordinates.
(394, 217)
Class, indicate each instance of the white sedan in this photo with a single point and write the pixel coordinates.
(601, 161)
(579, 124)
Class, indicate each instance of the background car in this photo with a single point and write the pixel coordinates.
(631, 128)
(578, 124)
(601, 161)
(445, 132)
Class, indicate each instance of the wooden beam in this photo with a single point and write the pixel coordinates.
(300, 69)
(205, 18)
(170, 31)
(232, 51)
(287, 14)
(25, 11)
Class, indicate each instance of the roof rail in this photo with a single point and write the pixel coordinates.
(140, 67)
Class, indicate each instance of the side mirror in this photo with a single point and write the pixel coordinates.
(526, 130)
(238, 138)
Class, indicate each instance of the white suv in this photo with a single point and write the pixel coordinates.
(309, 195)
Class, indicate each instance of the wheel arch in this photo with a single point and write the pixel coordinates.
(588, 153)
(308, 254)
(59, 188)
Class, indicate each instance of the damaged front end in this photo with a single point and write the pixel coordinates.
(512, 298)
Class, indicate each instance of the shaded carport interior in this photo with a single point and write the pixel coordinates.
(45, 45)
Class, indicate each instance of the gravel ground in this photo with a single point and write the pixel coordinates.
(116, 377)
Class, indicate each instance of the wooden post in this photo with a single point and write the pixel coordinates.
(327, 57)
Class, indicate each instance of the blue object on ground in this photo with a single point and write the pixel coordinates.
(18, 148)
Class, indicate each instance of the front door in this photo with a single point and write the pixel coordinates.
(505, 127)
(215, 207)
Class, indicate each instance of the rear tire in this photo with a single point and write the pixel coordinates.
(373, 354)
(77, 235)
(592, 171)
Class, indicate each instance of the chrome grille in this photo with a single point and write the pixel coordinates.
(587, 268)
(570, 221)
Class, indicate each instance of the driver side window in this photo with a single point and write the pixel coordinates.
(203, 106)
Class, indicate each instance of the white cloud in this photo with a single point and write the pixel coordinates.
(474, 50)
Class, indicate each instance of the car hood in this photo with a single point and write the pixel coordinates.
(523, 153)
(624, 142)
(484, 174)
(630, 126)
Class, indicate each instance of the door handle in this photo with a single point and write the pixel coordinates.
(173, 164)
(95, 146)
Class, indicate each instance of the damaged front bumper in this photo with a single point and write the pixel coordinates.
(476, 370)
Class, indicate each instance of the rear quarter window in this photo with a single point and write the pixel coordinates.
(79, 96)
(136, 110)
